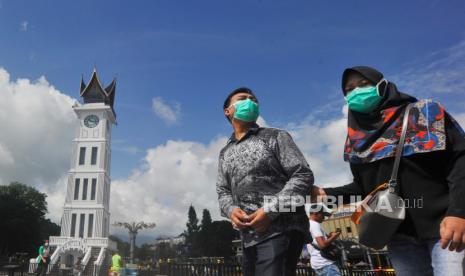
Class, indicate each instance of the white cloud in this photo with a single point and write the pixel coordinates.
(169, 114)
(129, 149)
(460, 117)
(37, 125)
(440, 72)
(6, 159)
(173, 176)
(56, 197)
(24, 26)
(322, 143)
(261, 122)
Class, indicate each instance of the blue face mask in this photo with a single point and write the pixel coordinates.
(365, 99)
(246, 110)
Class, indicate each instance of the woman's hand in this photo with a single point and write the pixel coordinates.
(452, 231)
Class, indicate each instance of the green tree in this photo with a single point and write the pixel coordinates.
(49, 228)
(122, 246)
(218, 237)
(164, 250)
(192, 232)
(202, 236)
(206, 219)
(145, 252)
(23, 226)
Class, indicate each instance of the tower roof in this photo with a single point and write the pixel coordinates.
(93, 92)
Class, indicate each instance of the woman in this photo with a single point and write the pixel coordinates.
(432, 171)
(43, 259)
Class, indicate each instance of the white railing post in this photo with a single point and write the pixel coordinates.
(33, 264)
(86, 259)
(55, 255)
(98, 263)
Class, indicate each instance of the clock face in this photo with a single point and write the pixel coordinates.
(91, 121)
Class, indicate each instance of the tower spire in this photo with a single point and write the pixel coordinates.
(95, 92)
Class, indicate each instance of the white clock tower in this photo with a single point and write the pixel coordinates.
(86, 217)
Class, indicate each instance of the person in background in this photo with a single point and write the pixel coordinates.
(77, 268)
(257, 163)
(116, 264)
(43, 259)
(321, 265)
(431, 174)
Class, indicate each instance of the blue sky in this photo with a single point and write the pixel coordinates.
(190, 54)
(194, 52)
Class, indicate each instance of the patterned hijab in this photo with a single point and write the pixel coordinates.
(374, 136)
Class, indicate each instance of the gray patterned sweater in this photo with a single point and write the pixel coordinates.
(265, 162)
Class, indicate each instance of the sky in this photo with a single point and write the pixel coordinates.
(175, 62)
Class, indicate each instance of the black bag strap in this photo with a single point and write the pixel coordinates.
(399, 150)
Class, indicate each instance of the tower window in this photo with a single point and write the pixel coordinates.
(76, 188)
(93, 188)
(82, 155)
(90, 225)
(73, 225)
(81, 225)
(349, 229)
(93, 159)
(84, 189)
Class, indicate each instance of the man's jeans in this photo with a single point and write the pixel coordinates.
(411, 256)
(277, 256)
(329, 270)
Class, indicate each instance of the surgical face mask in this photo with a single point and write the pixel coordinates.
(246, 110)
(365, 99)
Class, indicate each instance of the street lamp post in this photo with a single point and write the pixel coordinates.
(133, 228)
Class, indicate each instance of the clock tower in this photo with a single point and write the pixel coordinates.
(86, 217)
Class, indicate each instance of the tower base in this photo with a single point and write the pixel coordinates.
(92, 256)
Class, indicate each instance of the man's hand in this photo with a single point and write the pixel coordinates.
(259, 220)
(334, 235)
(317, 194)
(239, 218)
(452, 231)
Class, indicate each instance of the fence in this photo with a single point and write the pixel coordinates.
(187, 269)
(200, 270)
(13, 268)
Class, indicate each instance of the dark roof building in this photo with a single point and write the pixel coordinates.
(94, 92)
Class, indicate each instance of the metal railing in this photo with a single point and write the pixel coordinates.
(189, 269)
(90, 242)
(201, 269)
(18, 268)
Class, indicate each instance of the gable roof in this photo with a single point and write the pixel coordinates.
(93, 92)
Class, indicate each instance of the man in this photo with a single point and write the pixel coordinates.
(258, 164)
(321, 265)
(116, 264)
(43, 259)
